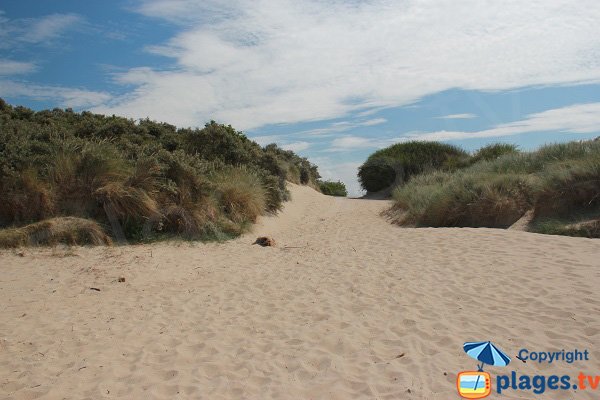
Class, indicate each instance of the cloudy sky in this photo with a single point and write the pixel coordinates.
(333, 80)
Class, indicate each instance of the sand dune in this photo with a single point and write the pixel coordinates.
(347, 306)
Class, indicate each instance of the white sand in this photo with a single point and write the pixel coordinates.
(324, 319)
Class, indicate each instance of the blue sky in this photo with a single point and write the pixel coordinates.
(333, 80)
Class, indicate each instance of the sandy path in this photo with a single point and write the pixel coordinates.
(325, 318)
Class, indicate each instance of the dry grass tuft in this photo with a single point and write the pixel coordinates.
(241, 195)
(67, 230)
(25, 198)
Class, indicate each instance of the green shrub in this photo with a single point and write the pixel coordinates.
(223, 143)
(399, 162)
(331, 188)
(376, 174)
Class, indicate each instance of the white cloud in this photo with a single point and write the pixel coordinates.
(577, 118)
(49, 27)
(458, 116)
(257, 62)
(352, 142)
(341, 126)
(11, 67)
(190, 11)
(374, 121)
(42, 30)
(296, 146)
(66, 97)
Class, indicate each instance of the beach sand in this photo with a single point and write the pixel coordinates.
(347, 306)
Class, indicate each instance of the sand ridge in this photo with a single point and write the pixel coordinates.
(347, 306)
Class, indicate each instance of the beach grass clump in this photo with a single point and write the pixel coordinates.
(493, 151)
(556, 181)
(241, 194)
(53, 231)
(24, 197)
(569, 187)
(475, 199)
(139, 180)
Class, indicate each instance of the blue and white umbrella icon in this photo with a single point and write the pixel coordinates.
(487, 353)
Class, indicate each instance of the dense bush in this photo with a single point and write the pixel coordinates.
(399, 162)
(138, 179)
(556, 181)
(377, 174)
(331, 188)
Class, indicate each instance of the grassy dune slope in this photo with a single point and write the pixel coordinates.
(135, 180)
(560, 183)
